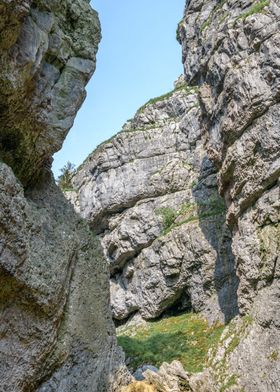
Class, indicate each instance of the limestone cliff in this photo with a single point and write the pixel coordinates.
(56, 333)
(153, 192)
(232, 50)
(150, 192)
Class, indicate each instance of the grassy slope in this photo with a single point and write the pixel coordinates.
(186, 338)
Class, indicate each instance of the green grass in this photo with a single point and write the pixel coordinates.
(186, 338)
(273, 356)
(256, 8)
(206, 24)
(184, 87)
(230, 383)
(189, 212)
(209, 20)
(168, 216)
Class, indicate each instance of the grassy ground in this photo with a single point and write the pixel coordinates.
(186, 338)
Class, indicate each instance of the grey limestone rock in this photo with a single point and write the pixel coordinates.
(231, 50)
(138, 374)
(170, 378)
(47, 55)
(56, 331)
(150, 193)
(55, 315)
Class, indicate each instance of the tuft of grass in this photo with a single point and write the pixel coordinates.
(194, 183)
(186, 338)
(273, 356)
(183, 87)
(206, 23)
(189, 212)
(168, 215)
(209, 20)
(230, 383)
(256, 8)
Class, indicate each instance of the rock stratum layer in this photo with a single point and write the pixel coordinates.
(153, 193)
(56, 330)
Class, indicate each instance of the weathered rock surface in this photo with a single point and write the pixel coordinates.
(232, 50)
(150, 192)
(47, 54)
(54, 295)
(170, 378)
(56, 332)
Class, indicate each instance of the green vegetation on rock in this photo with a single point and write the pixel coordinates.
(233, 334)
(186, 338)
(256, 8)
(274, 355)
(65, 179)
(189, 212)
(182, 87)
(231, 382)
(209, 20)
(168, 215)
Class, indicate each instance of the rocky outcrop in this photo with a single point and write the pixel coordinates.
(231, 49)
(150, 192)
(56, 331)
(169, 378)
(47, 55)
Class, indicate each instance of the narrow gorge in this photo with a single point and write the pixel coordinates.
(178, 213)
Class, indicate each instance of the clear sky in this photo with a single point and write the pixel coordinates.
(138, 59)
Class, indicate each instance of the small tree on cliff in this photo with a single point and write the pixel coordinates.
(64, 180)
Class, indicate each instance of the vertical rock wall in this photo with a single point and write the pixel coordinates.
(56, 332)
(231, 49)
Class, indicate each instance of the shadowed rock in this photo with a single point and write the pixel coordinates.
(56, 332)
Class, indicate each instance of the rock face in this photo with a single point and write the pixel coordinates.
(150, 192)
(56, 330)
(170, 378)
(232, 50)
(47, 55)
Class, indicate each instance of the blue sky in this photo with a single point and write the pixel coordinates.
(138, 59)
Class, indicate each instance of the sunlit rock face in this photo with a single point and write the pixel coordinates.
(150, 193)
(56, 332)
(47, 53)
(232, 50)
